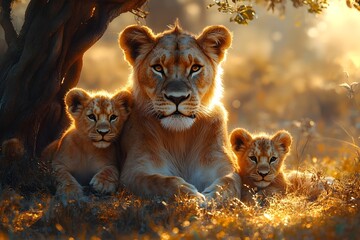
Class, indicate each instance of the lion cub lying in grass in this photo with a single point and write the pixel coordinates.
(261, 160)
(85, 154)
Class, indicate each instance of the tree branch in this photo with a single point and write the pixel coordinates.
(93, 29)
(5, 21)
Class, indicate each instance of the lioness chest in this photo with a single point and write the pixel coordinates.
(189, 155)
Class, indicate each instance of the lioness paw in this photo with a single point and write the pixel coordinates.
(218, 192)
(225, 187)
(191, 191)
(211, 194)
(103, 186)
(105, 181)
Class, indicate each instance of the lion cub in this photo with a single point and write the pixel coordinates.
(261, 161)
(85, 154)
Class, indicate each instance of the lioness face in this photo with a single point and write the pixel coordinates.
(175, 79)
(175, 72)
(99, 117)
(260, 158)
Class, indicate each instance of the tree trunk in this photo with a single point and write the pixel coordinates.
(40, 65)
(44, 61)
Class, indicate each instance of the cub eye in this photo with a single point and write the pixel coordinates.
(91, 117)
(253, 158)
(195, 68)
(273, 159)
(158, 68)
(113, 118)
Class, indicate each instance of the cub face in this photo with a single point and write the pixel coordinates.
(175, 72)
(260, 157)
(99, 117)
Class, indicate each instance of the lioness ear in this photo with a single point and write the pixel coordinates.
(136, 41)
(75, 100)
(239, 139)
(125, 99)
(283, 140)
(215, 40)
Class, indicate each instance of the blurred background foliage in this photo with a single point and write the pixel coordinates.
(287, 68)
(284, 70)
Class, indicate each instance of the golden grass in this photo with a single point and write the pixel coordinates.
(333, 215)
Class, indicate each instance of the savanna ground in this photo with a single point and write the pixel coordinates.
(333, 215)
(278, 74)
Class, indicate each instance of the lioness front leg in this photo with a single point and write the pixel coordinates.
(106, 180)
(228, 186)
(167, 186)
(67, 186)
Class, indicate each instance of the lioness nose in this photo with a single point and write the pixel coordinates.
(263, 174)
(177, 100)
(103, 132)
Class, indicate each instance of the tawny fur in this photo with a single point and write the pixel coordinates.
(261, 161)
(86, 154)
(254, 154)
(166, 153)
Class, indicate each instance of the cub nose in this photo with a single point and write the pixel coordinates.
(263, 174)
(177, 99)
(103, 132)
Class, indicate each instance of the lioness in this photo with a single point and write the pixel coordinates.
(176, 140)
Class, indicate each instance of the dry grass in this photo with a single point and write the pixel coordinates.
(264, 92)
(334, 215)
(327, 146)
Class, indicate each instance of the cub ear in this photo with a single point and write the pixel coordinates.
(75, 100)
(239, 139)
(136, 41)
(215, 40)
(283, 140)
(125, 99)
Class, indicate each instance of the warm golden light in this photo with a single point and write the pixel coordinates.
(298, 72)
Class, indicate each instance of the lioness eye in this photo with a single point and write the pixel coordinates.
(273, 159)
(113, 118)
(158, 68)
(91, 117)
(195, 68)
(253, 158)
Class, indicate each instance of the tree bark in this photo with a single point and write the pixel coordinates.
(44, 61)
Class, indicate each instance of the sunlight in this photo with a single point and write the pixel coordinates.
(281, 72)
(193, 9)
(218, 93)
(92, 12)
(26, 219)
(313, 32)
(268, 216)
(340, 34)
(355, 58)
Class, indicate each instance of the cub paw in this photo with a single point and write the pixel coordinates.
(102, 183)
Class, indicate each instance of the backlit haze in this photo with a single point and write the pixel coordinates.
(280, 69)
